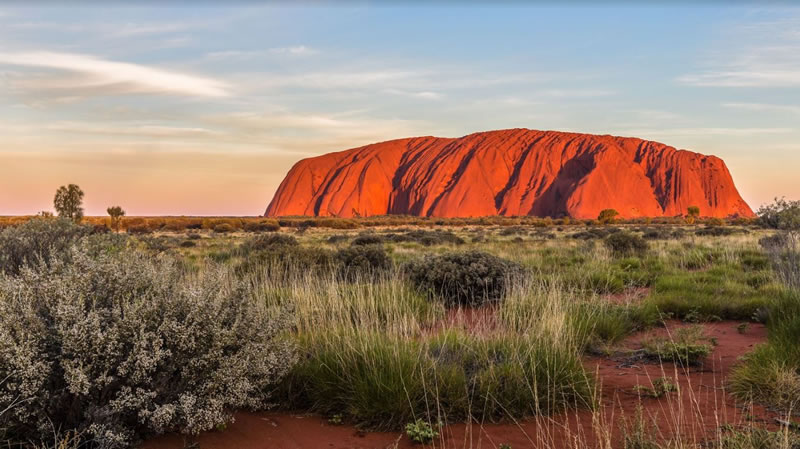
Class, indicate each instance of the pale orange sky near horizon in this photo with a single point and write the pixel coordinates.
(202, 110)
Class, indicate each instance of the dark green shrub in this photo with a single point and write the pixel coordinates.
(337, 238)
(663, 234)
(626, 244)
(607, 216)
(427, 238)
(267, 242)
(38, 241)
(262, 226)
(465, 278)
(138, 229)
(595, 233)
(367, 239)
(717, 231)
(223, 228)
(363, 259)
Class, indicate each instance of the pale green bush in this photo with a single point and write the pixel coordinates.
(121, 346)
(37, 241)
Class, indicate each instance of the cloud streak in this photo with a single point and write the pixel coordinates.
(762, 107)
(768, 55)
(117, 77)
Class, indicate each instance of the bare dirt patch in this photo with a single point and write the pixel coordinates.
(694, 412)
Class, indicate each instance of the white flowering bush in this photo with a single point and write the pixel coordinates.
(38, 240)
(119, 346)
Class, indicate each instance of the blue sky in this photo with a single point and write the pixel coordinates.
(201, 110)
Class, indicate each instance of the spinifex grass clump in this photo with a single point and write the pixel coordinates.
(771, 373)
(687, 346)
(468, 278)
(723, 291)
(384, 381)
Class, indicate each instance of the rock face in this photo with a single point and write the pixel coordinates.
(510, 172)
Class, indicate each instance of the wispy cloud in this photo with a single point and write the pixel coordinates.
(577, 93)
(704, 131)
(764, 77)
(143, 131)
(107, 30)
(761, 107)
(139, 29)
(766, 55)
(425, 94)
(348, 80)
(111, 76)
(297, 50)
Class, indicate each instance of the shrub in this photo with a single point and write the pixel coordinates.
(465, 278)
(783, 248)
(686, 346)
(38, 240)
(282, 250)
(337, 238)
(427, 238)
(716, 231)
(661, 387)
(223, 228)
(663, 234)
(421, 431)
(363, 260)
(138, 229)
(626, 244)
(607, 216)
(597, 233)
(262, 226)
(118, 347)
(266, 242)
(367, 239)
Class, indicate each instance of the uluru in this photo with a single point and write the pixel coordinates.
(511, 173)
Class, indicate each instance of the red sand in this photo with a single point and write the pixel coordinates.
(705, 406)
(510, 172)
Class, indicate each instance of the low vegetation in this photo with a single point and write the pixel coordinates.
(399, 323)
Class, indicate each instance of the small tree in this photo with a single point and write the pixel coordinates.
(607, 216)
(116, 213)
(68, 202)
(692, 213)
(784, 247)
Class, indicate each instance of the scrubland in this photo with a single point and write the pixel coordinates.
(408, 326)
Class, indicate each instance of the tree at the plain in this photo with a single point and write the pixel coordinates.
(607, 216)
(692, 213)
(116, 213)
(69, 201)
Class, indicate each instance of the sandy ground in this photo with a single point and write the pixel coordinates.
(694, 413)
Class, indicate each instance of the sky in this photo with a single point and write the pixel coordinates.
(192, 109)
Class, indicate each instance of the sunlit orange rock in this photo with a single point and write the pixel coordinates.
(510, 172)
